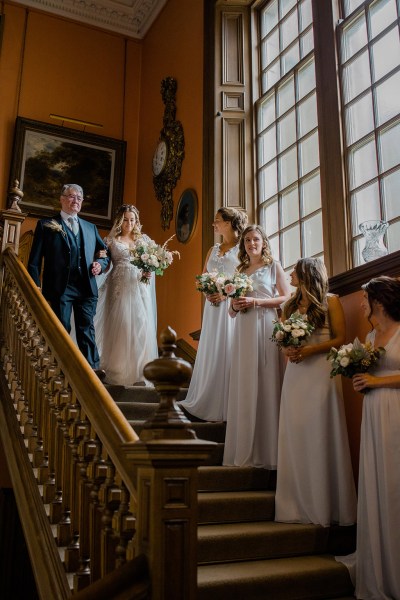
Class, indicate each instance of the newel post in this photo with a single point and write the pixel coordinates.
(166, 459)
(12, 219)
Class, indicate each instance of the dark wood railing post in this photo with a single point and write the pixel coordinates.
(166, 458)
(12, 219)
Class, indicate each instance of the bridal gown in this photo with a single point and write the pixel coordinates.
(315, 481)
(125, 321)
(255, 382)
(376, 563)
(207, 394)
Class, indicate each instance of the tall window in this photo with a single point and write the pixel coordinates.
(287, 132)
(369, 58)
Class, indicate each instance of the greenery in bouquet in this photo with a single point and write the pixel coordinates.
(210, 283)
(236, 286)
(152, 258)
(293, 331)
(354, 358)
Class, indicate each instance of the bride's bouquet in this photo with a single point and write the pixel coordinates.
(293, 331)
(210, 283)
(151, 257)
(354, 358)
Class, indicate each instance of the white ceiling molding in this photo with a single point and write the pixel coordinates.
(132, 18)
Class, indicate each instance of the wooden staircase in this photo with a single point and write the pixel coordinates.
(242, 551)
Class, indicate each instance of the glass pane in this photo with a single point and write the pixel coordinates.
(390, 148)
(287, 131)
(267, 146)
(362, 164)
(356, 77)
(305, 11)
(270, 17)
(391, 195)
(393, 237)
(350, 5)
(309, 154)
(274, 243)
(267, 112)
(306, 79)
(307, 115)
(388, 98)
(270, 48)
(386, 53)
(285, 96)
(312, 235)
(288, 168)
(270, 217)
(358, 247)
(291, 250)
(290, 207)
(382, 13)
(272, 75)
(365, 206)
(289, 30)
(269, 181)
(306, 43)
(285, 6)
(359, 119)
(290, 58)
(354, 37)
(310, 194)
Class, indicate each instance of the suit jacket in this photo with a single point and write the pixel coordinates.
(52, 246)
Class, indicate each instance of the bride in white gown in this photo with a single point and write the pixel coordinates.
(125, 321)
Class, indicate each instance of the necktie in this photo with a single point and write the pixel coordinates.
(73, 225)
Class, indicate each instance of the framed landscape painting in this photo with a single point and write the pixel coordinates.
(45, 157)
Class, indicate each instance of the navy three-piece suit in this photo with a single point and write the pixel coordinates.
(67, 281)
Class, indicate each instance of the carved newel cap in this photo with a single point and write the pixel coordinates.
(15, 195)
(168, 373)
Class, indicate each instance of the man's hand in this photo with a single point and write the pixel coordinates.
(96, 268)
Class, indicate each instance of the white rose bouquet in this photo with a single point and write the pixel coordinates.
(236, 286)
(210, 283)
(293, 331)
(151, 257)
(353, 358)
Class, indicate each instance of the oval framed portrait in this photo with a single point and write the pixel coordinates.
(186, 216)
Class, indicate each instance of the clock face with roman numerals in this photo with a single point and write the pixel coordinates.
(160, 157)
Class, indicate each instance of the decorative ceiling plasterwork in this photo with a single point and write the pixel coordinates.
(131, 18)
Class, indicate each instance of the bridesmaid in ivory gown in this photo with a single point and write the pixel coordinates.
(256, 372)
(125, 322)
(207, 394)
(314, 480)
(375, 565)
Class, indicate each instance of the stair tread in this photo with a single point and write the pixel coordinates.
(263, 528)
(298, 578)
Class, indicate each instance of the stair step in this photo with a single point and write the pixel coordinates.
(300, 578)
(263, 540)
(231, 507)
(224, 479)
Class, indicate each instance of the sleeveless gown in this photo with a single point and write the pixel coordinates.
(208, 390)
(255, 382)
(315, 481)
(125, 321)
(375, 565)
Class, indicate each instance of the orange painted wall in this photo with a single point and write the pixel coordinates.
(174, 47)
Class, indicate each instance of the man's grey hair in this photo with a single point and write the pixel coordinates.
(71, 186)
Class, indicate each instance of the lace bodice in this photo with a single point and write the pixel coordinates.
(223, 264)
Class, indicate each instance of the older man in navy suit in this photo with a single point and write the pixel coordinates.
(68, 246)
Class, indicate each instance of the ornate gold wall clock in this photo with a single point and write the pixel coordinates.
(169, 153)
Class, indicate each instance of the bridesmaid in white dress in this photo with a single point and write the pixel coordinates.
(208, 390)
(375, 566)
(125, 322)
(256, 371)
(315, 481)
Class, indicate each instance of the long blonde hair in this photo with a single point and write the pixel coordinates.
(266, 254)
(313, 283)
(119, 218)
